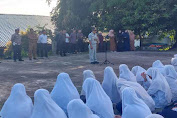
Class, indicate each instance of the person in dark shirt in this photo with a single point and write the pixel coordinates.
(126, 40)
(120, 41)
(58, 39)
(101, 44)
(80, 41)
(73, 41)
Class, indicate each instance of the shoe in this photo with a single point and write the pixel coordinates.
(30, 59)
(92, 63)
(96, 62)
(21, 60)
(35, 58)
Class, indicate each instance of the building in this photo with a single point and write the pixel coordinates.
(9, 22)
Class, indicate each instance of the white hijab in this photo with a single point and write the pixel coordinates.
(87, 74)
(18, 105)
(132, 106)
(158, 64)
(126, 74)
(109, 85)
(140, 91)
(77, 109)
(45, 107)
(137, 70)
(159, 83)
(154, 116)
(97, 100)
(64, 91)
(174, 63)
(171, 77)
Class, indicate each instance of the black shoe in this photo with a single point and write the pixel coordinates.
(15, 61)
(92, 63)
(30, 59)
(96, 62)
(21, 60)
(35, 58)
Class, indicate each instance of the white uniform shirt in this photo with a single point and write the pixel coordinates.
(67, 39)
(43, 38)
(92, 37)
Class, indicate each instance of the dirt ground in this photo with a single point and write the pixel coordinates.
(43, 72)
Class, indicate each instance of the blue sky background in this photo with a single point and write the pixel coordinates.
(28, 7)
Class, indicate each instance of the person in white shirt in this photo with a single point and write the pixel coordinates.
(43, 41)
(67, 42)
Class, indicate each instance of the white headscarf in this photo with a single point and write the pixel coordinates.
(77, 109)
(175, 56)
(154, 116)
(87, 74)
(97, 100)
(158, 64)
(140, 91)
(64, 91)
(159, 83)
(174, 63)
(126, 74)
(132, 106)
(18, 105)
(109, 85)
(171, 77)
(45, 107)
(137, 70)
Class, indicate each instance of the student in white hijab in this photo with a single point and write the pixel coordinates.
(158, 64)
(126, 74)
(159, 89)
(154, 116)
(18, 105)
(97, 100)
(174, 63)
(171, 77)
(87, 74)
(64, 91)
(140, 91)
(137, 71)
(45, 107)
(109, 85)
(77, 109)
(132, 106)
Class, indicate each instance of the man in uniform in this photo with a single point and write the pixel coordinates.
(32, 44)
(43, 40)
(93, 41)
(16, 43)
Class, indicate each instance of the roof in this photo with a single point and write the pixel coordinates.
(9, 22)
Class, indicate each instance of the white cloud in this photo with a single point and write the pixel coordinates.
(30, 7)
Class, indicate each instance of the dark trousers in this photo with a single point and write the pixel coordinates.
(63, 49)
(38, 49)
(73, 47)
(44, 50)
(80, 45)
(17, 52)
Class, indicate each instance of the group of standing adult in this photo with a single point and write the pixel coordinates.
(72, 43)
(35, 41)
(124, 41)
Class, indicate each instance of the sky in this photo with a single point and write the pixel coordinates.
(26, 7)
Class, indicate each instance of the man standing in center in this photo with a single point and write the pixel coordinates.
(93, 41)
(73, 41)
(32, 44)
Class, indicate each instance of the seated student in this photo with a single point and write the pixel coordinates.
(97, 100)
(109, 85)
(18, 105)
(159, 89)
(132, 106)
(64, 91)
(171, 77)
(158, 65)
(174, 62)
(170, 112)
(137, 71)
(154, 116)
(126, 74)
(140, 91)
(45, 107)
(77, 109)
(86, 74)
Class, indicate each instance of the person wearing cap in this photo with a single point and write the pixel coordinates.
(16, 43)
(93, 41)
(32, 44)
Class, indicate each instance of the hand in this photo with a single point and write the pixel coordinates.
(117, 116)
(143, 75)
(91, 47)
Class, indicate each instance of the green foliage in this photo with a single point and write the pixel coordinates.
(138, 15)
